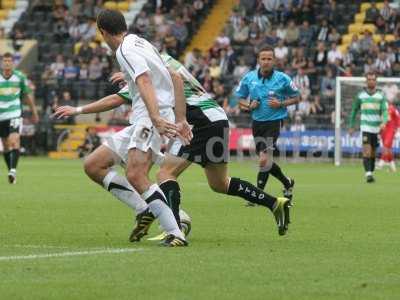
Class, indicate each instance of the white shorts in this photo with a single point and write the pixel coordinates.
(142, 135)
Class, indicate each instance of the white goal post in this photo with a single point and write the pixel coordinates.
(355, 84)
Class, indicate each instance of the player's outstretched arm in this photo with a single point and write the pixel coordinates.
(148, 95)
(184, 130)
(104, 104)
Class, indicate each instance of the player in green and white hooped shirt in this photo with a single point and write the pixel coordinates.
(373, 106)
(13, 88)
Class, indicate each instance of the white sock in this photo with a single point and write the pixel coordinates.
(161, 210)
(123, 191)
(392, 166)
(368, 173)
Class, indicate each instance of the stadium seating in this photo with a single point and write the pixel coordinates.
(212, 26)
(364, 6)
(359, 28)
(10, 12)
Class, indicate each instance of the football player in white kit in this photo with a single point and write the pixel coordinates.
(153, 117)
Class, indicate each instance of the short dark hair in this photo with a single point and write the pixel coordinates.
(7, 55)
(265, 48)
(371, 73)
(111, 21)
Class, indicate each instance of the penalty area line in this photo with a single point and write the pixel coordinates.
(70, 253)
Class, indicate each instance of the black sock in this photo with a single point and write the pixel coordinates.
(249, 192)
(366, 163)
(372, 164)
(7, 159)
(277, 173)
(14, 156)
(262, 179)
(172, 192)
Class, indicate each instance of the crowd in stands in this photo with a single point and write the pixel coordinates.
(75, 64)
(307, 36)
(170, 23)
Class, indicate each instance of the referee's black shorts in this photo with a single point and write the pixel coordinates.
(266, 134)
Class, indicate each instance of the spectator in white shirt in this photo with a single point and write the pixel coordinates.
(223, 39)
(369, 65)
(192, 58)
(323, 31)
(242, 33)
(271, 5)
(302, 82)
(383, 65)
(236, 19)
(281, 31)
(354, 45)
(262, 21)
(386, 11)
(334, 36)
(240, 70)
(391, 55)
(334, 54)
(281, 51)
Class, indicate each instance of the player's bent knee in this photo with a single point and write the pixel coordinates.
(90, 167)
(135, 177)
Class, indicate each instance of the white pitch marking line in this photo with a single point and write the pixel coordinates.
(35, 246)
(70, 253)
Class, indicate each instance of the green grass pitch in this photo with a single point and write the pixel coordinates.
(344, 242)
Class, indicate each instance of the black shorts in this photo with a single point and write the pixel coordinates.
(210, 144)
(369, 138)
(10, 126)
(265, 134)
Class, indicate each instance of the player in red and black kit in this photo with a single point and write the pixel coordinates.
(387, 135)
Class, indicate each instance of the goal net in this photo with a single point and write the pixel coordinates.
(350, 146)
